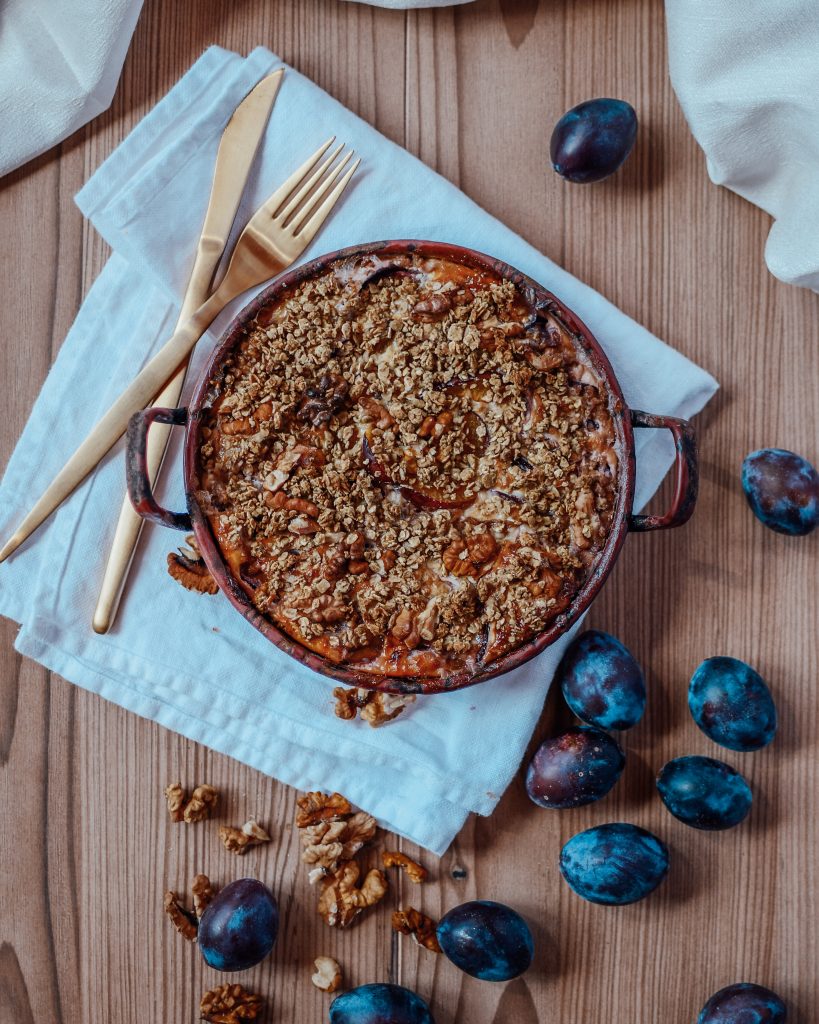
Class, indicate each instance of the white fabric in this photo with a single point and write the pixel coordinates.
(747, 75)
(191, 662)
(59, 65)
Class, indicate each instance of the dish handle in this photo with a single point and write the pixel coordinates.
(687, 473)
(136, 469)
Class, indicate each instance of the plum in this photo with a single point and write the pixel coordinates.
(488, 940)
(732, 705)
(743, 1003)
(239, 927)
(782, 489)
(704, 793)
(593, 139)
(573, 769)
(614, 864)
(601, 681)
(379, 1004)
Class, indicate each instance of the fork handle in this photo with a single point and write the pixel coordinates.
(139, 393)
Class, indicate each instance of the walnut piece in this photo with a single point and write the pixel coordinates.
(329, 843)
(384, 707)
(229, 1004)
(316, 807)
(395, 859)
(328, 974)
(419, 926)
(203, 893)
(175, 795)
(203, 800)
(239, 840)
(341, 901)
(377, 708)
(188, 568)
(181, 918)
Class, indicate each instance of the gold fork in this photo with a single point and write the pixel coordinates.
(276, 235)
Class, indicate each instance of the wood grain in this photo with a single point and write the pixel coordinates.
(86, 849)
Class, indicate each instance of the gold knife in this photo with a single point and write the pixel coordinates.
(237, 150)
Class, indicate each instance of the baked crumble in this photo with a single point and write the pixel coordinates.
(408, 469)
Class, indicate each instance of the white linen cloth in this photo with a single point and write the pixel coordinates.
(191, 662)
(747, 76)
(59, 65)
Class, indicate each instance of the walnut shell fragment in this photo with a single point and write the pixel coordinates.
(229, 1004)
(328, 976)
(395, 859)
(419, 926)
(239, 840)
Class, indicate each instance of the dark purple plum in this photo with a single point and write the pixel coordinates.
(601, 681)
(488, 940)
(379, 1004)
(743, 1003)
(614, 864)
(239, 927)
(573, 769)
(732, 705)
(704, 793)
(782, 489)
(593, 139)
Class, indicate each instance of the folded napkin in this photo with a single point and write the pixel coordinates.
(747, 76)
(188, 661)
(59, 65)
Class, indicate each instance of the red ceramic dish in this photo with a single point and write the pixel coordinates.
(537, 301)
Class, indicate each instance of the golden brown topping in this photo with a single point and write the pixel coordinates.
(328, 974)
(419, 926)
(188, 568)
(341, 901)
(181, 918)
(239, 840)
(202, 802)
(229, 1004)
(203, 892)
(316, 807)
(396, 859)
(175, 796)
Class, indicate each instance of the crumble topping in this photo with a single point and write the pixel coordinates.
(407, 468)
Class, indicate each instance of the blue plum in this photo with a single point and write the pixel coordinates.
(601, 681)
(379, 1004)
(704, 793)
(743, 1003)
(732, 705)
(239, 927)
(782, 489)
(488, 940)
(593, 139)
(573, 769)
(614, 864)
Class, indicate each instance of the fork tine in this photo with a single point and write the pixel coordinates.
(313, 217)
(283, 192)
(305, 190)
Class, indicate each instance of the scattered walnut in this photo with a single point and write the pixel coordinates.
(323, 400)
(419, 926)
(395, 859)
(175, 795)
(456, 559)
(229, 1004)
(188, 568)
(433, 308)
(203, 800)
(482, 547)
(384, 707)
(239, 840)
(203, 892)
(349, 701)
(328, 974)
(341, 902)
(405, 628)
(316, 807)
(329, 843)
(181, 918)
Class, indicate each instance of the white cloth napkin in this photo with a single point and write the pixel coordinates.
(59, 65)
(747, 76)
(188, 661)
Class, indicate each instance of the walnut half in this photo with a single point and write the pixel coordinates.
(328, 974)
(341, 901)
(229, 1004)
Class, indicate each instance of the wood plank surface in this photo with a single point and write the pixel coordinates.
(86, 850)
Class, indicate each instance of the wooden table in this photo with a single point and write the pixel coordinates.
(86, 848)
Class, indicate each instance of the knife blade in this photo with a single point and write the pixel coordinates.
(237, 151)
